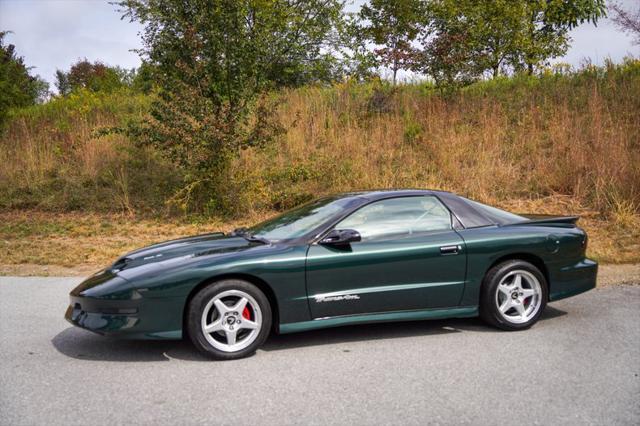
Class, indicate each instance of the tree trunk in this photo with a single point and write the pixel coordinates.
(395, 70)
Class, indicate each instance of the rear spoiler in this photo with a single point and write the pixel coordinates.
(561, 221)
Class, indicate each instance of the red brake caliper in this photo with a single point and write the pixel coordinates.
(245, 313)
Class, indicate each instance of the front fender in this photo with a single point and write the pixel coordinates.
(104, 285)
(281, 267)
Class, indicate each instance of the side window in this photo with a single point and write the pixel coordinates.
(398, 217)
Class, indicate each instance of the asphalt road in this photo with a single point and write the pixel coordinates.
(579, 365)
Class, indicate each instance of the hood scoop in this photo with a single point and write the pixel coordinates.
(183, 248)
(221, 250)
(120, 264)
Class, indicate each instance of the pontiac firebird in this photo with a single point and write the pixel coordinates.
(347, 259)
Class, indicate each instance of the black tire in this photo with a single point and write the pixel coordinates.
(489, 309)
(204, 297)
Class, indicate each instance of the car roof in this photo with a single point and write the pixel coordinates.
(466, 213)
(378, 194)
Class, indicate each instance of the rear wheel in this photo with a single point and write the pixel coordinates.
(514, 295)
(229, 319)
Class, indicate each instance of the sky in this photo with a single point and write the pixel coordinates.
(53, 34)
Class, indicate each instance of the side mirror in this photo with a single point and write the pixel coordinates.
(340, 237)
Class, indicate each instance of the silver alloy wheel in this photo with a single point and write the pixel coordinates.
(225, 324)
(519, 296)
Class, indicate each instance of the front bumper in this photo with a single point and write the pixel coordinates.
(144, 319)
(102, 316)
(108, 305)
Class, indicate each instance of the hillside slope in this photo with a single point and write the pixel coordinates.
(550, 144)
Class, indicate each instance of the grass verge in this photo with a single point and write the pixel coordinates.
(41, 243)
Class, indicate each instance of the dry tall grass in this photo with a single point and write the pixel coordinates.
(575, 136)
(53, 159)
(572, 135)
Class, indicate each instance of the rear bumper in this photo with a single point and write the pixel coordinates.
(574, 279)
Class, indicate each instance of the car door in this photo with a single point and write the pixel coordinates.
(409, 257)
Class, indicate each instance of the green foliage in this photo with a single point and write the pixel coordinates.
(380, 101)
(18, 88)
(84, 104)
(546, 30)
(142, 80)
(412, 130)
(355, 60)
(465, 39)
(96, 77)
(394, 24)
(216, 63)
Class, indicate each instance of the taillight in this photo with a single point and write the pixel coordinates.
(585, 241)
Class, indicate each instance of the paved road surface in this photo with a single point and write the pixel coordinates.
(579, 365)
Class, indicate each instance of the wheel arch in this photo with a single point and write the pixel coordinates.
(258, 282)
(527, 257)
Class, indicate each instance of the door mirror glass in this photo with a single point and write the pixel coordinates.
(338, 237)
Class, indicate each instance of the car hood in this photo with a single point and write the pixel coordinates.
(199, 245)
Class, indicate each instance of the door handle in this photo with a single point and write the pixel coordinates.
(450, 249)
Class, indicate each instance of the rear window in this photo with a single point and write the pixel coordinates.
(495, 215)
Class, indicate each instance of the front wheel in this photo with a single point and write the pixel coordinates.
(514, 295)
(229, 319)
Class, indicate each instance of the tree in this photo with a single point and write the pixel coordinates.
(142, 80)
(356, 60)
(18, 88)
(96, 77)
(393, 24)
(62, 83)
(547, 25)
(469, 38)
(215, 63)
(628, 21)
(448, 58)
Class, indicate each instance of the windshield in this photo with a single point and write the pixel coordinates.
(301, 220)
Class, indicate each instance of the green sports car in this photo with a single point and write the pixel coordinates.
(352, 258)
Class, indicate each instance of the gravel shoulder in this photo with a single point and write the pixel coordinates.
(618, 274)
